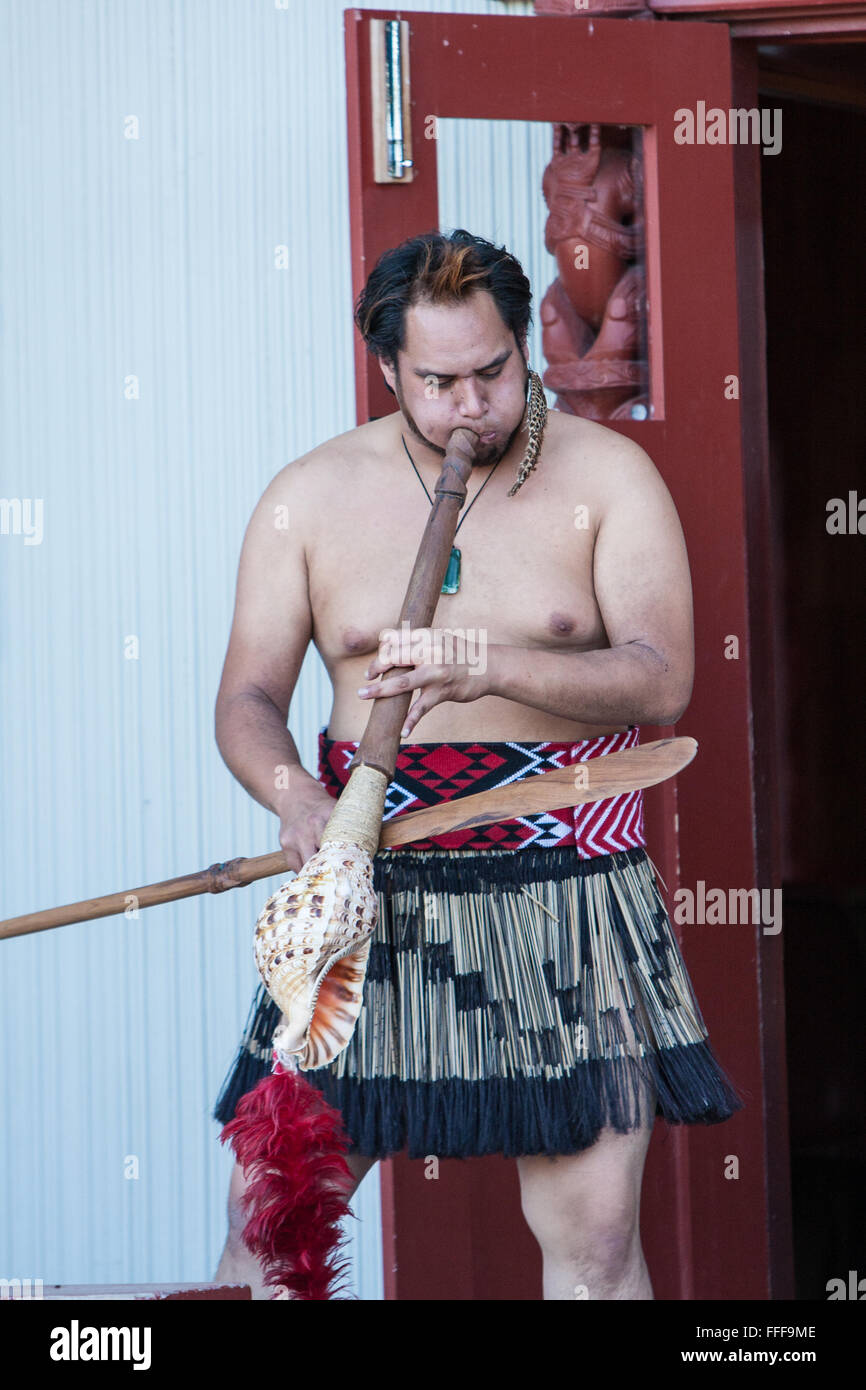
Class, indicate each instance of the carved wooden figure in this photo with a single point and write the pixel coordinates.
(593, 315)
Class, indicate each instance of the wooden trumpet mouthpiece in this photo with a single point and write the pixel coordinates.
(462, 442)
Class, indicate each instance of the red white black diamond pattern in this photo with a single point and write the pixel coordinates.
(429, 773)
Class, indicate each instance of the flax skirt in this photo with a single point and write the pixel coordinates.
(516, 1002)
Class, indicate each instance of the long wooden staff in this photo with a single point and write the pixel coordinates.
(594, 780)
(380, 742)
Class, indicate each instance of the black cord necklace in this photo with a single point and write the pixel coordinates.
(452, 574)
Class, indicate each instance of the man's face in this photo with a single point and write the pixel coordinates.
(461, 366)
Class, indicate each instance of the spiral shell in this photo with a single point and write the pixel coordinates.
(311, 946)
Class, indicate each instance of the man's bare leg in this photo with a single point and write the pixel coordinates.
(237, 1265)
(584, 1211)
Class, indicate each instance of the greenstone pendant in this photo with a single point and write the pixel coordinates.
(452, 574)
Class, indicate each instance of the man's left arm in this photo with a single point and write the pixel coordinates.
(643, 590)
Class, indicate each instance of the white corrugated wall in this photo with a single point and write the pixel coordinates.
(157, 370)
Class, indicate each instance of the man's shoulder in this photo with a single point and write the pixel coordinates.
(602, 454)
(327, 465)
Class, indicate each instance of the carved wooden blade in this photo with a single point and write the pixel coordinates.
(593, 780)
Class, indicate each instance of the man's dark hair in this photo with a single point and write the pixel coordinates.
(440, 269)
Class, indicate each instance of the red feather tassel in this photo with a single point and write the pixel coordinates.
(290, 1144)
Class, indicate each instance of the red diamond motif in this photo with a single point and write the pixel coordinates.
(445, 761)
(492, 760)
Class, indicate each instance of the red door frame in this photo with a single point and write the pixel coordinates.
(818, 21)
(825, 21)
(705, 1235)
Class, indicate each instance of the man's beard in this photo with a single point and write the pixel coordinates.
(485, 454)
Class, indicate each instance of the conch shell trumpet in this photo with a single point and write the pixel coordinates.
(312, 943)
(313, 935)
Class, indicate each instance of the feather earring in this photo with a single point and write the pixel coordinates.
(536, 418)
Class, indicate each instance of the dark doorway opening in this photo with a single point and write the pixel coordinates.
(814, 229)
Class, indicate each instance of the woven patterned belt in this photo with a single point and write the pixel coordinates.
(429, 773)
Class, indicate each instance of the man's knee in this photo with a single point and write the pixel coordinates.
(239, 1215)
(582, 1224)
(585, 1208)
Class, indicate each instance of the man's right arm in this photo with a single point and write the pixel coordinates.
(271, 630)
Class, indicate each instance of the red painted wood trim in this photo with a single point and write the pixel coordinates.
(765, 663)
(703, 9)
(823, 19)
(389, 1229)
(155, 1293)
(627, 8)
(805, 29)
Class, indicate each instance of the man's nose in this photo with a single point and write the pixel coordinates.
(472, 404)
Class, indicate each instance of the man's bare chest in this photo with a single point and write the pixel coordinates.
(525, 575)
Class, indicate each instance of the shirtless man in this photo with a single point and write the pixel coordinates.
(589, 630)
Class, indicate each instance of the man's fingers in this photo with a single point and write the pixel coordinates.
(396, 649)
(424, 703)
(307, 848)
(411, 679)
(402, 680)
(304, 849)
(376, 668)
(301, 837)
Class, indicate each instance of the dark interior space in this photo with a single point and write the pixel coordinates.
(814, 225)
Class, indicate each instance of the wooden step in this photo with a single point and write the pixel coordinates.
(81, 1293)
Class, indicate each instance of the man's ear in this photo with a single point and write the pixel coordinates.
(389, 374)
